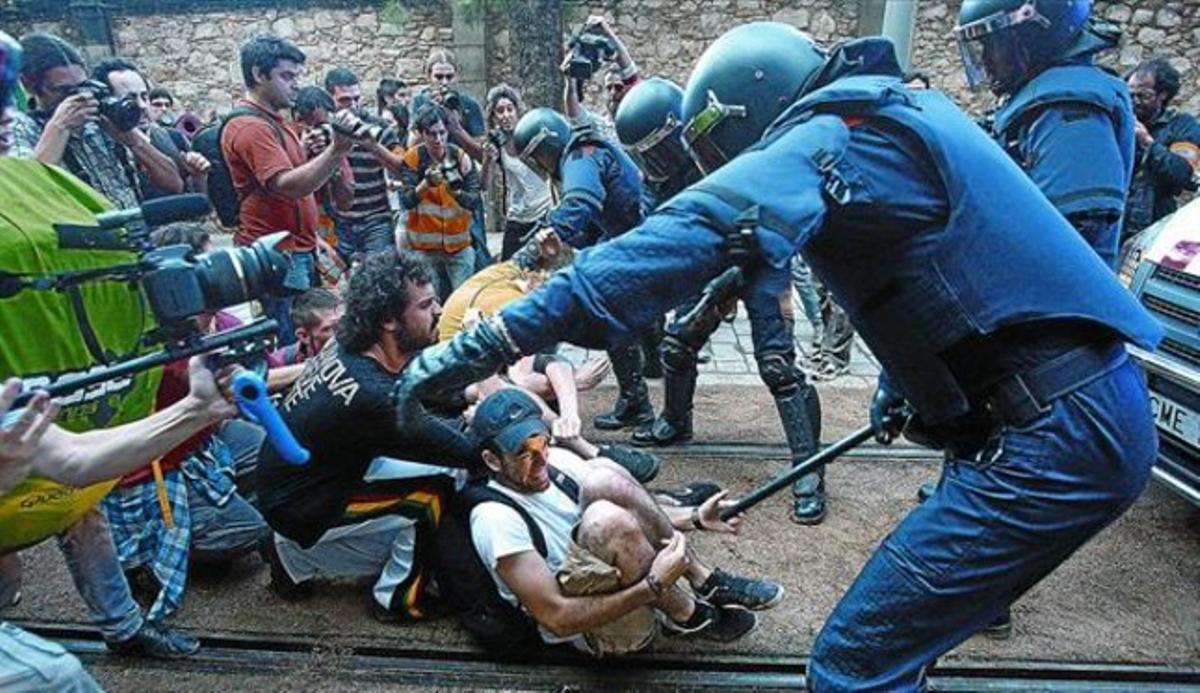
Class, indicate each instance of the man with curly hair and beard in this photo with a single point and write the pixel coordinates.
(371, 494)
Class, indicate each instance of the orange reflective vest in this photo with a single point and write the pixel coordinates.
(438, 222)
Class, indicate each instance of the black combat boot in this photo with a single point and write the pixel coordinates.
(633, 406)
(797, 414)
(651, 339)
(674, 425)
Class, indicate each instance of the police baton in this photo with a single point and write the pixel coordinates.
(811, 464)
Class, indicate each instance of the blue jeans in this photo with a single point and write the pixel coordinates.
(301, 276)
(449, 270)
(369, 235)
(806, 288)
(998, 524)
(29, 663)
(224, 524)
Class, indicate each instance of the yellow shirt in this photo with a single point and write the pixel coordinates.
(487, 291)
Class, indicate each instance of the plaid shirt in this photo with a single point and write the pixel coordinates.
(143, 538)
(141, 534)
(93, 156)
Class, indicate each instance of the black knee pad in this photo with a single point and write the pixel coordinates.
(780, 374)
(677, 357)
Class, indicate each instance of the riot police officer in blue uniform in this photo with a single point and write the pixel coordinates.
(649, 124)
(600, 192)
(896, 200)
(1065, 120)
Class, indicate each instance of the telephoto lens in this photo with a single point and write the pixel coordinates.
(180, 284)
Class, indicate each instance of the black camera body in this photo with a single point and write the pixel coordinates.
(589, 50)
(451, 99)
(451, 174)
(124, 112)
(499, 137)
(181, 284)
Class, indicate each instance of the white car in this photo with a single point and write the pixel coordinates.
(1161, 266)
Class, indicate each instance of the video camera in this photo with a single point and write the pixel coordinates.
(178, 284)
(588, 51)
(124, 112)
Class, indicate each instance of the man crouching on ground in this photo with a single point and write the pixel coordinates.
(367, 502)
(613, 555)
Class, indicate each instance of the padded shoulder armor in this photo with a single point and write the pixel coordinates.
(1085, 84)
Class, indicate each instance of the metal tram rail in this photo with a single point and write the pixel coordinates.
(397, 663)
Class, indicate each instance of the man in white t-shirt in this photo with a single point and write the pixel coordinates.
(613, 555)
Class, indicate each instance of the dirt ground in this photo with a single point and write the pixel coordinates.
(1130, 595)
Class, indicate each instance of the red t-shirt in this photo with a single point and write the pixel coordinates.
(253, 153)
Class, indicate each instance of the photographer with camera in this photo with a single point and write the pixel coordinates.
(125, 81)
(595, 43)
(526, 195)
(464, 118)
(272, 172)
(440, 192)
(80, 125)
(367, 226)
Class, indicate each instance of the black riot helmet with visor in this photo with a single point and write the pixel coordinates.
(540, 138)
(741, 84)
(649, 124)
(1004, 43)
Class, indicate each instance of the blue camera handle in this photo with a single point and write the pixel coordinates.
(250, 394)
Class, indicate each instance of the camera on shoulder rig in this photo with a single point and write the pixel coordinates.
(178, 285)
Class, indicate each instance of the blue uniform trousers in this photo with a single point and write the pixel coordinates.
(998, 524)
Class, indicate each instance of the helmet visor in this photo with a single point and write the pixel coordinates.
(661, 154)
(991, 49)
(697, 134)
(536, 156)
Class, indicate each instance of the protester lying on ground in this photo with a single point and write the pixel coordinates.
(551, 378)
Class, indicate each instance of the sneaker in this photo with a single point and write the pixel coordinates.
(281, 583)
(157, 641)
(718, 623)
(12, 602)
(725, 589)
(691, 495)
(640, 464)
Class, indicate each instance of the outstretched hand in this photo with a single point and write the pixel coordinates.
(709, 514)
(19, 438)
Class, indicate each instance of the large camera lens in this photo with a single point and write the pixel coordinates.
(235, 275)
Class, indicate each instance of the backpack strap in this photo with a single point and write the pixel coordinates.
(279, 137)
(479, 492)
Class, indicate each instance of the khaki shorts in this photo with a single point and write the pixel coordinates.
(582, 574)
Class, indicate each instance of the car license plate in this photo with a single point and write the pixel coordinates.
(1174, 418)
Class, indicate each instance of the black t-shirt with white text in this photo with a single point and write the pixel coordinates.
(340, 409)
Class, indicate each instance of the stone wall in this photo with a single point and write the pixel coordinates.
(666, 37)
(196, 54)
(1151, 27)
